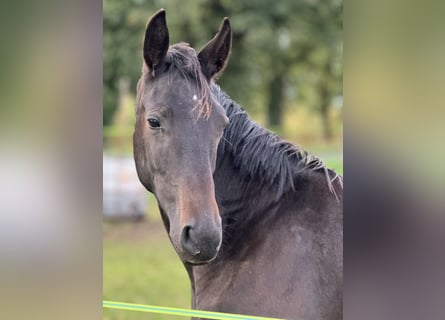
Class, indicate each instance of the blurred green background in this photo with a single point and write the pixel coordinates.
(285, 71)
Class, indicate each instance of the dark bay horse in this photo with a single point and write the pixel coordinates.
(256, 221)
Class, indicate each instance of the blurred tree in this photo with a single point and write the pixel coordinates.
(301, 42)
(284, 46)
(122, 23)
(321, 66)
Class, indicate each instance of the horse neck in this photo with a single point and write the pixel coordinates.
(236, 188)
(245, 204)
(236, 193)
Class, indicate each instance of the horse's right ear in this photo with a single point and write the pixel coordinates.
(156, 40)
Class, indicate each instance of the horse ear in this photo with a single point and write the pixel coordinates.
(215, 54)
(156, 40)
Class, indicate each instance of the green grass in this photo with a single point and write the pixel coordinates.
(331, 154)
(140, 266)
(335, 164)
(333, 161)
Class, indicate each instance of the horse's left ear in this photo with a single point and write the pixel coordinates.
(215, 54)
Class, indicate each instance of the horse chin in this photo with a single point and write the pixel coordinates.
(197, 262)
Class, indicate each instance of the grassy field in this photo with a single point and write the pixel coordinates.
(140, 266)
(335, 163)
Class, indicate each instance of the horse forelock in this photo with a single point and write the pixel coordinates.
(182, 60)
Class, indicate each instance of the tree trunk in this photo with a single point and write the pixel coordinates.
(276, 101)
(324, 113)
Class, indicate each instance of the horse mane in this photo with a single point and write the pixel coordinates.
(260, 153)
(183, 60)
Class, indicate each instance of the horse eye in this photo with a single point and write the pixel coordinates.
(154, 123)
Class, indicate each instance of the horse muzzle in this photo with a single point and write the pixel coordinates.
(200, 243)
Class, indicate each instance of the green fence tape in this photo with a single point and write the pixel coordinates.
(181, 312)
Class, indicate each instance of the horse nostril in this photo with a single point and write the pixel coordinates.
(200, 243)
(188, 240)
